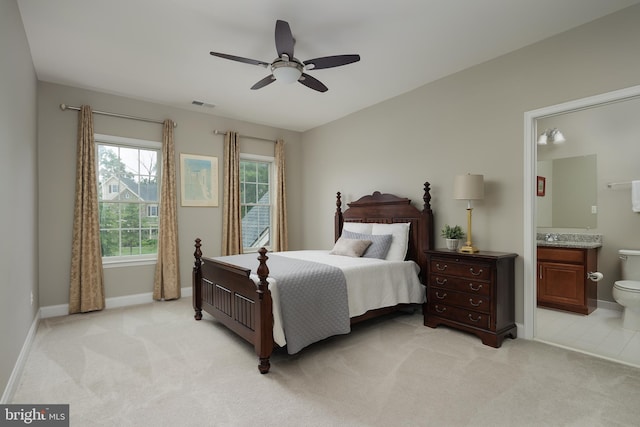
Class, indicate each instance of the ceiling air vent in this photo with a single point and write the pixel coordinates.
(202, 104)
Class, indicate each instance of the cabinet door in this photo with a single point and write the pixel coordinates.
(561, 283)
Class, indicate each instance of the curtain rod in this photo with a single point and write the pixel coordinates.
(64, 107)
(217, 132)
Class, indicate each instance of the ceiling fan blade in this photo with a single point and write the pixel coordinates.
(331, 61)
(262, 83)
(284, 39)
(312, 83)
(240, 59)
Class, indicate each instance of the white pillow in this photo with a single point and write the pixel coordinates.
(400, 240)
(357, 227)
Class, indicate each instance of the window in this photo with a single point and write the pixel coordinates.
(255, 201)
(128, 193)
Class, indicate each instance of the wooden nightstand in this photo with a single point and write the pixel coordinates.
(472, 292)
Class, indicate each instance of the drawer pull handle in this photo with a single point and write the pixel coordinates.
(473, 303)
(475, 320)
(474, 273)
(440, 282)
(441, 310)
(443, 268)
(475, 289)
(443, 296)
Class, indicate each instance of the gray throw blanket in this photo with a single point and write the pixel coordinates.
(313, 298)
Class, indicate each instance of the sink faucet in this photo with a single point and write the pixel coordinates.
(551, 237)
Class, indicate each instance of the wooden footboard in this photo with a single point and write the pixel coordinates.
(227, 292)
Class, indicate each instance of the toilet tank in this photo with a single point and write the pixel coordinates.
(630, 264)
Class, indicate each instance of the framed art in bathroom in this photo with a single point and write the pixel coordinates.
(541, 183)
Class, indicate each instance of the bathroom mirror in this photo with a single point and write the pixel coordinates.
(567, 197)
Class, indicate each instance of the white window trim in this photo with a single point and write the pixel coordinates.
(129, 142)
(272, 161)
(130, 260)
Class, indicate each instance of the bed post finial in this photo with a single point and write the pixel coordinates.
(427, 196)
(196, 280)
(263, 271)
(339, 220)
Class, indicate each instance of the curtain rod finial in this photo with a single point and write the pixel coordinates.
(63, 107)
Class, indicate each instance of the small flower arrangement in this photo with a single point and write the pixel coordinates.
(449, 232)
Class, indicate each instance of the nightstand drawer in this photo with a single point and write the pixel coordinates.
(468, 317)
(459, 299)
(460, 284)
(455, 266)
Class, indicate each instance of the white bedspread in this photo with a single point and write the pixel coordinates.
(371, 283)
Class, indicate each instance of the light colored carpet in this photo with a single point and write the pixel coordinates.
(154, 365)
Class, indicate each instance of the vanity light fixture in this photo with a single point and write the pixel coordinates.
(468, 187)
(553, 136)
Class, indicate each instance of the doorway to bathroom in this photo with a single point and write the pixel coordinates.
(606, 127)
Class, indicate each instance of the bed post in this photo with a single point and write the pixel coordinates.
(427, 220)
(429, 215)
(264, 335)
(339, 220)
(196, 281)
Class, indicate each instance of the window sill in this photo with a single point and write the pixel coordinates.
(128, 262)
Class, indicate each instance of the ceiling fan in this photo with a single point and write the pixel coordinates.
(288, 69)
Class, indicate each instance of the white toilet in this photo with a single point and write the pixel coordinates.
(627, 291)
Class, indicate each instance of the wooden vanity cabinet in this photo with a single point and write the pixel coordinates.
(562, 279)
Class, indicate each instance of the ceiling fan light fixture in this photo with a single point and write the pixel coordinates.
(286, 71)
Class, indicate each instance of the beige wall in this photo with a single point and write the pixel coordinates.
(18, 190)
(194, 135)
(612, 133)
(472, 121)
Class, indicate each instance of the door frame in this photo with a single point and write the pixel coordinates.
(530, 185)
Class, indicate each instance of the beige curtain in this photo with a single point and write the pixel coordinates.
(280, 238)
(166, 284)
(86, 290)
(231, 219)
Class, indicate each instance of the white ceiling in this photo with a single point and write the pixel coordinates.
(158, 50)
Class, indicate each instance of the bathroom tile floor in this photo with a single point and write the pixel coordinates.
(600, 333)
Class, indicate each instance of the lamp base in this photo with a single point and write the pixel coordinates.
(468, 249)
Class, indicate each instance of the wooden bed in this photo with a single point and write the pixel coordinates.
(227, 292)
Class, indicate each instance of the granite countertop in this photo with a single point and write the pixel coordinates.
(569, 240)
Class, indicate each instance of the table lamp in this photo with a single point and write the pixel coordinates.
(468, 187)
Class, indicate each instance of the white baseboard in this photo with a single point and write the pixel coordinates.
(9, 390)
(609, 305)
(113, 302)
(520, 330)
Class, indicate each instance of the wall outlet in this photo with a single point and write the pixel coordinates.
(31, 297)
(594, 209)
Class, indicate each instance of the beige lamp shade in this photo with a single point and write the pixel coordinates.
(468, 187)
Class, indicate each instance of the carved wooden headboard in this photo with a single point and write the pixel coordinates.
(388, 209)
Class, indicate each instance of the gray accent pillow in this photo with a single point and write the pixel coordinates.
(350, 247)
(380, 243)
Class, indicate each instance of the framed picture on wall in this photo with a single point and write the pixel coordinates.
(198, 180)
(542, 182)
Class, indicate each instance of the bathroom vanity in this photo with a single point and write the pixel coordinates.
(562, 274)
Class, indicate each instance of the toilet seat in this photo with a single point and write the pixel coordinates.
(628, 285)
